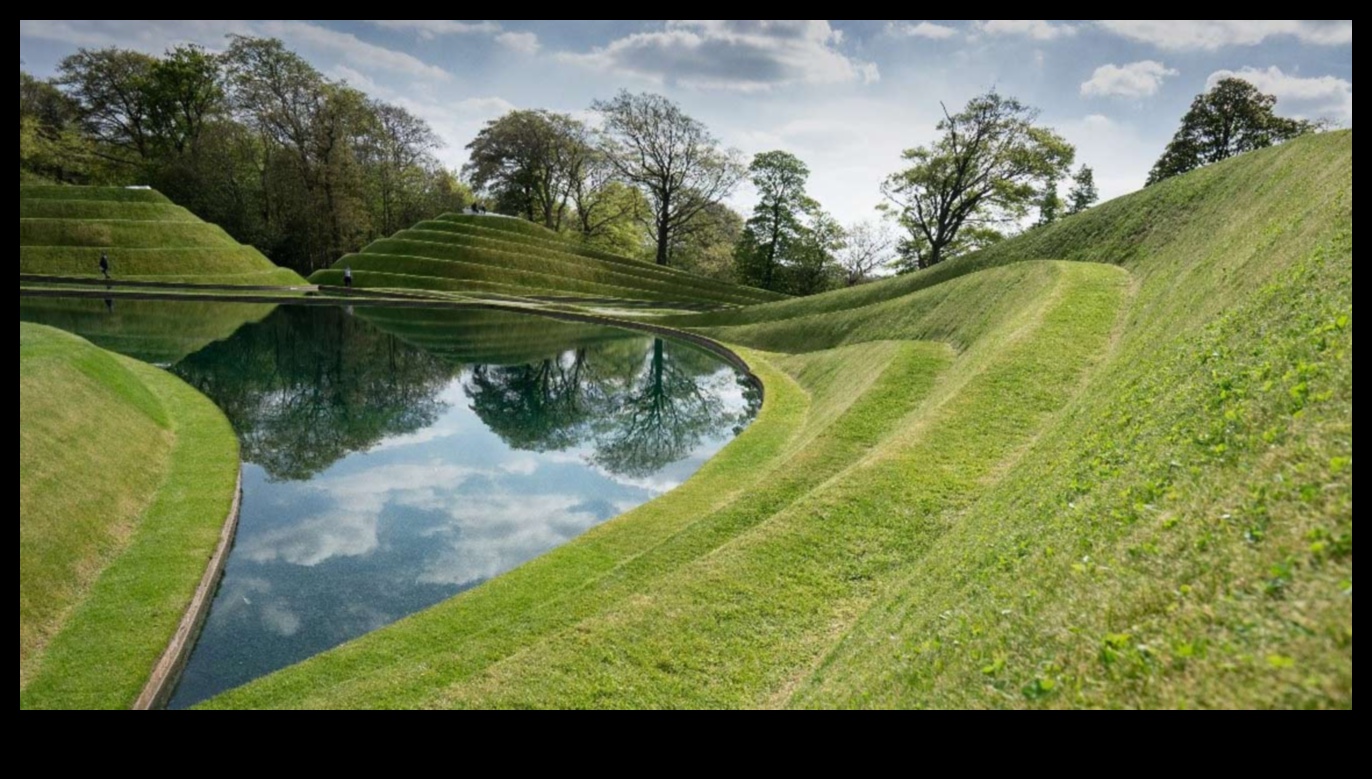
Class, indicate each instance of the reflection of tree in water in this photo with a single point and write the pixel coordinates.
(307, 386)
(640, 412)
(538, 407)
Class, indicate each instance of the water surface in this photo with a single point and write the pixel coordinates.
(393, 458)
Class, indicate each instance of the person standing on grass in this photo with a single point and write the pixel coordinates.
(105, 264)
(348, 276)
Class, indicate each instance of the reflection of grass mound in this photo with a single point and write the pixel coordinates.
(481, 254)
(160, 332)
(488, 337)
(1117, 477)
(125, 476)
(63, 230)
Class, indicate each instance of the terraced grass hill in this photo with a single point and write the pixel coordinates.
(63, 230)
(496, 255)
(126, 475)
(1105, 464)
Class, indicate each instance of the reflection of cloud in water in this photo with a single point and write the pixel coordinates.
(349, 529)
(250, 599)
(279, 619)
(493, 533)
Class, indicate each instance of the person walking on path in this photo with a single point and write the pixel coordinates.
(348, 276)
(105, 265)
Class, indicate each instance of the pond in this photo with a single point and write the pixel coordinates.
(396, 457)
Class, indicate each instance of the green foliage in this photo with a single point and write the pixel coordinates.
(981, 176)
(528, 163)
(1083, 194)
(254, 139)
(1232, 118)
(788, 244)
(672, 158)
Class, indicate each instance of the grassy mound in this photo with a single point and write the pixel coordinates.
(161, 332)
(63, 230)
(125, 477)
(485, 254)
(1105, 464)
(488, 337)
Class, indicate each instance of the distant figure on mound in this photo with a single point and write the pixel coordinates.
(105, 264)
(348, 276)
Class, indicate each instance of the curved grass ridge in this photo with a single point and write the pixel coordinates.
(125, 478)
(1124, 481)
(469, 253)
(63, 230)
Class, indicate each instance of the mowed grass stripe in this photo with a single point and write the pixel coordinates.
(117, 618)
(63, 230)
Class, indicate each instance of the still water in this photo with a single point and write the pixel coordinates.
(393, 458)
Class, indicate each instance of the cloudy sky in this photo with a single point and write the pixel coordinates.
(845, 96)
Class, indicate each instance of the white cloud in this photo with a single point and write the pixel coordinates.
(925, 29)
(1213, 34)
(1315, 97)
(1137, 79)
(430, 28)
(150, 35)
(523, 42)
(351, 47)
(357, 80)
(157, 36)
(1036, 29)
(732, 54)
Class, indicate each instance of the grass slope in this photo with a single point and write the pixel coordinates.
(125, 477)
(487, 254)
(1105, 464)
(63, 230)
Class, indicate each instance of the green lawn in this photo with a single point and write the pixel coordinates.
(64, 229)
(126, 475)
(483, 254)
(1105, 464)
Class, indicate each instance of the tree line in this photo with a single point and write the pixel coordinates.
(306, 168)
(255, 139)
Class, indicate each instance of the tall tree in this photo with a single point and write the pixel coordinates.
(982, 175)
(706, 246)
(1083, 193)
(185, 91)
(1232, 118)
(530, 163)
(867, 246)
(776, 229)
(1050, 203)
(399, 152)
(672, 157)
(111, 86)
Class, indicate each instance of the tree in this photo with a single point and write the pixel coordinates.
(777, 225)
(980, 176)
(813, 267)
(1083, 193)
(867, 246)
(1232, 118)
(111, 86)
(1050, 203)
(706, 246)
(530, 163)
(673, 158)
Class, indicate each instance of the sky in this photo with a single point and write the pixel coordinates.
(846, 96)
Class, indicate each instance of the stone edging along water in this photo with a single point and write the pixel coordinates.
(167, 672)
